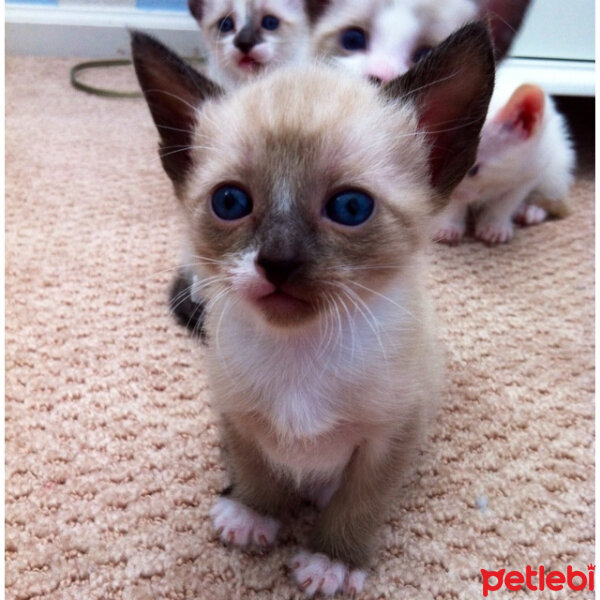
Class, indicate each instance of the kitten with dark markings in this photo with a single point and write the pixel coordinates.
(309, 195)
(381, 39)
(245, 37)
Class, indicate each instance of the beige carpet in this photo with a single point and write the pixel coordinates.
(112, 459)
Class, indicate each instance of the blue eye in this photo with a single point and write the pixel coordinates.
(230, 203)
(354, 39)
(226, 24)
(349, 208)
(270, 22)
(420, 53)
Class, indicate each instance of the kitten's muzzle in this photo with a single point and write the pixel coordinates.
(246, 39)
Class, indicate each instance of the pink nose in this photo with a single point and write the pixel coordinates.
(382, 71)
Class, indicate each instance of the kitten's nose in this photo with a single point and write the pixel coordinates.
(245, 40)
(276, 270)
(382, 71)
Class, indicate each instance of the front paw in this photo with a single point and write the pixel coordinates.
(496, 232)
(450, 234)
(316, 573)
(237, 524)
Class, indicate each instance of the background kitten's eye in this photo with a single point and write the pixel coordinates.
(349, 208)
(270, 22)
(226, 24)
(421, 52)
(231, 203)
(354, 39)
(474, 170)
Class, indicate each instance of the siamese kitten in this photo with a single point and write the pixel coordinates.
(245, 37)
(523, 172)
(381, 39)
(308, 195)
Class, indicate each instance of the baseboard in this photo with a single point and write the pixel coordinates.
(98, 32)
(557, 77)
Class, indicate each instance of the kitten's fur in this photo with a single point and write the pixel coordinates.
(236, 56)
(399, 32)
(524, 168)
(323, 362)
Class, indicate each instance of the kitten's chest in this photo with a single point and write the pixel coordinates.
(322, 457)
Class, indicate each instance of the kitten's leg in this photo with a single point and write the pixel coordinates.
(450, 224)
(345, 533)
(242, 517)
(494, 223)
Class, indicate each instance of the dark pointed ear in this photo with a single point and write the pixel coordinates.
(196, 7)
(315, 8)
(504, 17)
(174, 92)
(451, 89)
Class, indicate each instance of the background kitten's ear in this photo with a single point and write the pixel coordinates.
(196, 7)
(504, 17)
(174, 92)
(451, 89)
(523, 113)
(315, 8)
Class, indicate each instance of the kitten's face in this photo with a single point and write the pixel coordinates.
(246, 36)
(382, 39)
(295, 197)
(308, 192)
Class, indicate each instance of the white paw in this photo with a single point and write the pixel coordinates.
(239, 525)
(449, 234)
(316, 573)
(494, 233)
(530, 214)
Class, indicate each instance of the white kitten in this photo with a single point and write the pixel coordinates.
(524, 167)
(245, 37)
(381, 39)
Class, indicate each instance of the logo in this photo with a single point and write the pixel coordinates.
(539, 580)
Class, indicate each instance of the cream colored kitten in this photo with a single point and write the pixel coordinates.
(524, 167)
(309, 195)
(245, 37)
(381, 39)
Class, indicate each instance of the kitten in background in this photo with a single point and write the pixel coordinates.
(524, 168)
(245, 37)
(309, 195)
(381, 39)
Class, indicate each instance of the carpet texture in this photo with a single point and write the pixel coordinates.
(112, 454)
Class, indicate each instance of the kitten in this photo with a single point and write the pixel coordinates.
(381, 39)
(245, 37)
(308, 194)
(523, 172)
